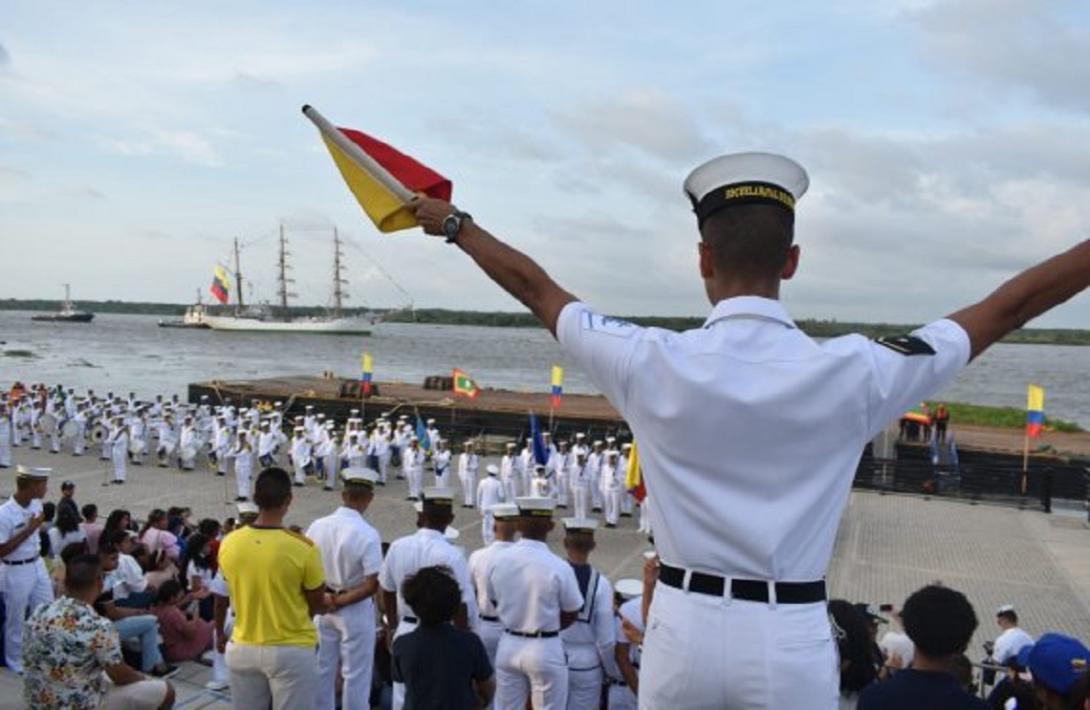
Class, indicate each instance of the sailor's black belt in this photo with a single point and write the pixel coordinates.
(14, 563)
(410, 619)
(533, 634)
(621, 683)
(746, 589)
(489, 618)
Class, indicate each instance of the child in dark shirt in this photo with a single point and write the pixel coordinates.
(443, 668)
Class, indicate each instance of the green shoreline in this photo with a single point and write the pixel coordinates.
(998, 417)
(501, 319)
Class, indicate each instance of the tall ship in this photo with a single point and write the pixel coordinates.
(269, 318)
(67, 313)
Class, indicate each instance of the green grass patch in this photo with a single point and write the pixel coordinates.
(1001, 417)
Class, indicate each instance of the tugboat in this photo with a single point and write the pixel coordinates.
(67, 313)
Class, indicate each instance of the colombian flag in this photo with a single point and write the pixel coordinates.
(382, 179)
(365, 375)
(221, 284)
(558, 385)
(464, 384)
(1035, 411)
(633, 478)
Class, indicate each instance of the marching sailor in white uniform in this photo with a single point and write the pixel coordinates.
(412, 464)
(188, 443)
(352, 557)
(468, 464)
(119, 449)
(25, 581)
(243, 454)
(588, 643)
(504, 527)
(558, 465)
(300, 456)
(440, 461)
(5, 436)
(536, 595)
(750, 392)
(580, 484)
(489, 493)
(612, 482)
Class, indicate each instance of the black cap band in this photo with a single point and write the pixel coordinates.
(742, 193)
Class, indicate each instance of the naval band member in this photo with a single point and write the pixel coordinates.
(749, 485)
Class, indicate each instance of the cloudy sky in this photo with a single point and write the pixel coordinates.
(948, 143)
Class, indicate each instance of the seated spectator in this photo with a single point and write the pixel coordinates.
(65, 531)
(854, 642)
(1058, 665)
(72, 656)
(91, 527)
(441, 666)
(157, 538)
(199, 572)
(1012, 638)
(59, 570)
(132, 623)
(897, 649)
(127, 582)
(185, 638)
(117, 520)
(940, 622)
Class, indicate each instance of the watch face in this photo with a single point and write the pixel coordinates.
(450, 225)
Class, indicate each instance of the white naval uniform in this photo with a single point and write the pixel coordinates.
(223, 448)
(525, 470)
(384, 454)
(300, 458)
(407, 555)
(621, 696)
(119, 452)
(244, 469)
(80, 440)
(187, 447)
(580, 488)
(531, 587)
(627, 500)
(769, 387)
(558, 468)
(588, 643)
(480, 566)
(35, 431)
(612, 482)
(5, 441)
(507, 475)
(595, 459)
(26, 586)
(351, 552)
(412, 463)
(489, 492)
(467, 474)
(441, 464)
(1009, 643)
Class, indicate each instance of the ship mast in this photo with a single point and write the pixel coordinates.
(238, 280)
(338, 280)
(283, 274)
(67, 298)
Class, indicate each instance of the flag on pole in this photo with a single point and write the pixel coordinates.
(221, 284)
(1035, 411)
(382, 179)
(422, 434)
(366, 373)
(464, 385)
(558, 385)
(537, 442)
(633, 477)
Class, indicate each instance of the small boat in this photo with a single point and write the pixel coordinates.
(194, 317)
(67, 313)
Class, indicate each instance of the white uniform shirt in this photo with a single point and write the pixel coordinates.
(593, 628)
(441, 461)
(424, 548)
(480, 566)
(351, 549)
(128, 578)
(531, 586)
(750, 432)
(13, 519)
(489, 492)
(1010, 642)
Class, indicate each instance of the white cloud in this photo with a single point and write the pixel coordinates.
(189, 146)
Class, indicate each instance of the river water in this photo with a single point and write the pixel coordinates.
(123, 353)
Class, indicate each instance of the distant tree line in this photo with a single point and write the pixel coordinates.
(506, 319)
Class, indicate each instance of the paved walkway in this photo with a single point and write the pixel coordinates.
(887, 547)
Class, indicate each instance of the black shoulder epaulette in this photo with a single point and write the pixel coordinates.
(906, 345)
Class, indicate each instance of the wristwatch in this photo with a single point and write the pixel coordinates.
(452, 225)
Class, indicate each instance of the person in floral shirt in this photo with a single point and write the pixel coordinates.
(72, 655)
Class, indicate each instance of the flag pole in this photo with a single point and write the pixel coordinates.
(1025, 464)
(357, 155)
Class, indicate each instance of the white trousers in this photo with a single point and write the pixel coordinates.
(596, 493)
(613, 505)
(509, 491)
(490, 633)
(584, 688)
(242, 480)
(487, 533)
(531, 668)
(645, 515)
(580, 497)
(121, 463)
(416, 481)
(26, 587)
(221, 460)
(562, 489)
(626, 503)
(300, 474)
(469, 487)
(346, 637)
(107, 447)
(285, 676)
(383, 467)
(702, 651)
(621, 697)
(5, 453)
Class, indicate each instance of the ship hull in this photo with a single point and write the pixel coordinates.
(64, 318)
(338, 326)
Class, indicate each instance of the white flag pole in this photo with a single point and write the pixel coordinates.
(353, 151)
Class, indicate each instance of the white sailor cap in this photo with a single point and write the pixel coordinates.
(629, 588)
(32, 473)
(451, 534)
(745, 178)
(626, 447)
(278, 404)
(431, 421)
(610, 439)
(467, 443)
(360, 475)
(204, 397)
(403, 417)
(510, 445)
(329, 425)
(309, 406)
(299, 428)
(1005, 609)
(247, 507)
(353, 411)
(321, 415)
(492, 469)
(414, 439)
(530, 506)
(583, 525)
(598, 442)
(580, 435)
(504, 511)
(435, 495)
(545, 435)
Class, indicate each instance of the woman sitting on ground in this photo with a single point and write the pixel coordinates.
(155, 535)
(199, 570)
(65, 531)
(185, 636)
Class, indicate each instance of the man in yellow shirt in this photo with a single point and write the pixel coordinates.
(277, 585)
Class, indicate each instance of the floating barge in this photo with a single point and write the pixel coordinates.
(498, 413)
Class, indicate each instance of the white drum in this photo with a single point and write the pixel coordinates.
(47, 424)
(69, 429)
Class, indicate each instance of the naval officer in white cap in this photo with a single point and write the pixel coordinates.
(536, 595)
(749, 487)
(352, 556)
(504, 527)
(26, 582)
